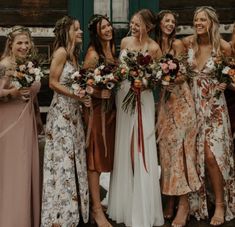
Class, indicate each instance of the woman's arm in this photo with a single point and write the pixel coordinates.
(178, 47)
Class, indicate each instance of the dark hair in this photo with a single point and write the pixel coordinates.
(62, 39)
(94, 39)
(158, 31)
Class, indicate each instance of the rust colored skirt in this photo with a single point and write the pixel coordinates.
(101, 134)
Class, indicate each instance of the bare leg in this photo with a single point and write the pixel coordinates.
(216, 179)
(97, 211)
(182, 212)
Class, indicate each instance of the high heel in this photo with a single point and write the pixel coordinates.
(99, 218)
(218, 220)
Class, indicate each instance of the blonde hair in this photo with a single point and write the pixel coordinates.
(213, 31)
(15, 31)
(147, 19)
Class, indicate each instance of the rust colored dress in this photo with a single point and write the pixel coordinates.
(101, 130)
(177, 130)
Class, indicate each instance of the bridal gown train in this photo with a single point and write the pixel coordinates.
(134, 196)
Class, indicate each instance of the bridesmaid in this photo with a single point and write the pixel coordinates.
(65, 185)
(177, 131)
(135, 197)
(215, 160)
(101, 139)
(19, 157)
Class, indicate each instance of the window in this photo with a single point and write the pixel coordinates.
(116, 10)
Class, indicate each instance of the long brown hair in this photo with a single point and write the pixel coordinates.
(158, 31)
(95, 20)
(62, 38)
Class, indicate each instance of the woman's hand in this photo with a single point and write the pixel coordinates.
(105, 94)
(221, 87)
(25, 93)
(170, 87)
(86, 101)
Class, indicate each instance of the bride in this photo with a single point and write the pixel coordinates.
(135, 197)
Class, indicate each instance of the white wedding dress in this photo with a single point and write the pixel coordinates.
(134, 196)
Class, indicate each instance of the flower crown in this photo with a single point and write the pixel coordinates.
(19, 29)
(62, 23)
(95, 19)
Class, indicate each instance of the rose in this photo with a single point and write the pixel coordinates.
(22, 68)
(164, 67)
(30, 64)
(90, 82)
(143, 60)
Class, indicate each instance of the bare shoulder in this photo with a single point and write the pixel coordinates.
(154, 49)
(91, 58)
(59, 55)
(178, 46)
(91, 54)
(177, 42)
(5, 63)
(125, 42)
(153, 45)
(225, 47)
(187, 41)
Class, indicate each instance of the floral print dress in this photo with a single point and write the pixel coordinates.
(65, 186)
(214, 130)
(177, 142)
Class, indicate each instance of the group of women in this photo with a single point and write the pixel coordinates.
(193, 131)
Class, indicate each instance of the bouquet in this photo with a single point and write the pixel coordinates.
(105, 78)
(225, 71)
(26, 73)
(78, 82)
(170, 69)
(139, 68)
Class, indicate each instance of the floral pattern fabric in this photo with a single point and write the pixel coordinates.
(177, 142)
(214, 130)
(65, 186)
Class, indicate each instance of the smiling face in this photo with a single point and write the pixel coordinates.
(21, 46)
(75, 32)
(202, 23)
(137, 27)
(167, 24)
(105, 30)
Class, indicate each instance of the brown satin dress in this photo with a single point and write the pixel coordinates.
(100, 150)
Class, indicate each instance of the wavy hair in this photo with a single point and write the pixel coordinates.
(95, 20)
(15, 31)
(62, 38)
(213, 31)
(158, 30)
